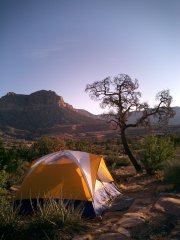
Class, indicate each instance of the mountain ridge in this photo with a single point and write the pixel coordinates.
(175, 120)
(39, 111)
(45, 112)
(12, 99)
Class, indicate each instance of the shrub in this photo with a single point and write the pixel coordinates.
(155, 152)
(46, 145)
(117, 161)
(124, 161)
(4, 176)
(3, 155)
(176, 140)
(17, 177)
(80, 146)
(172, 173)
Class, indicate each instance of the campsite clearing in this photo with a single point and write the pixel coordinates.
(154, 213)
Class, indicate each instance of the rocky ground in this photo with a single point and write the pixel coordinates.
(154, 213)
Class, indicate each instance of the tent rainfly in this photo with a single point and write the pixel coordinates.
(69, 175)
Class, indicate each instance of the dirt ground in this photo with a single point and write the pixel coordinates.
(154, 212)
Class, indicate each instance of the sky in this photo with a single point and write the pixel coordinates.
(62, 45)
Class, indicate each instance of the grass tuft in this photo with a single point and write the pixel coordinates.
(53, 220)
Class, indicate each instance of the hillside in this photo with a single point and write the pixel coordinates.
(87, 114)
(45, 113)
(39, 113)
(176, 119)
(135, 115)
(173, 121)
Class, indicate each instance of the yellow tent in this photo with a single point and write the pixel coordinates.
(69, 175)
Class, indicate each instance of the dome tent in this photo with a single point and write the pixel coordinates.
(69, 175)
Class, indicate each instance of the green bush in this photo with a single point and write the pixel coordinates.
(116, 161)
(172, 173)
(155, 152)
(176, 140)
(4, 177)
(46, 145)
(17, 177)
(3, 155)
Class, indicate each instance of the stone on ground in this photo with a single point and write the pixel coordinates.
(168, 205)
(113, 236)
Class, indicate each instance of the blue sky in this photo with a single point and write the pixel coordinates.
(62, 45)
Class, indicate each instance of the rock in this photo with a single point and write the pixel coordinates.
(113, 236)
(135, 187)
(94, 224)
(112, 215)
(164, 187)
(130, 223)
(99, 231)
(175, 234)
(173, 195)
(83, 237)
(130, 220)
(140, 203)
(168, 205)
(14, 188)
(121, 230)
(98, 219)
(136, 215)
(110, 220)
(120, 203)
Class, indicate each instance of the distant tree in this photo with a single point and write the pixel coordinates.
(120, 95)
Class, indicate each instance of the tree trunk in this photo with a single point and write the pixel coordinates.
(128, 152)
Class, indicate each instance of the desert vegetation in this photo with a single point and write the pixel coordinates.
(157, 155)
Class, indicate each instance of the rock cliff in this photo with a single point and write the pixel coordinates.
(39, 110)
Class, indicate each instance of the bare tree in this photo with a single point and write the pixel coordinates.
(120, 95)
